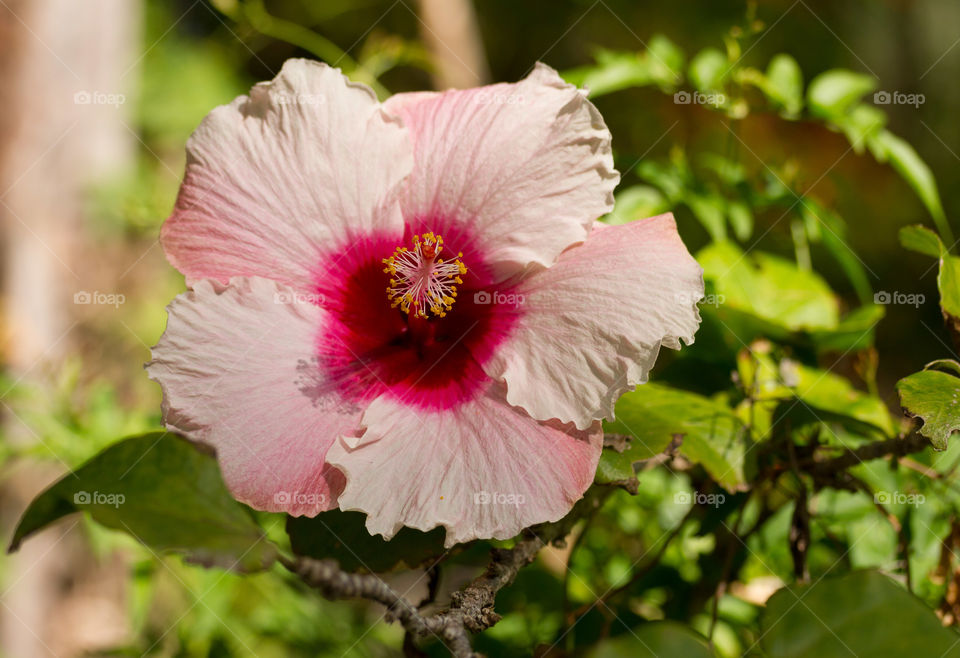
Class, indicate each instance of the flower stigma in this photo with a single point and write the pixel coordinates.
(420, 281)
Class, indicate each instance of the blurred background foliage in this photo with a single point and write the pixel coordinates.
(757, 125)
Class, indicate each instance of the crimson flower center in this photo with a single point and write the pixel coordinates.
(420, 281)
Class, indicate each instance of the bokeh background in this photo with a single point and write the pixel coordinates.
(98, 98)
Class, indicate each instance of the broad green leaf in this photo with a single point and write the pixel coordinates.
(785, 83)
(769, 287)
(713, 436)
(835, 395)
(855, 331)
(166, 493)
(863, 613)
(614, 467)
(659, 639)
(932, 396)
(637, 202)
(921, 239)
(908, 163)
(343, 536)
(708, 70)
(833, 92)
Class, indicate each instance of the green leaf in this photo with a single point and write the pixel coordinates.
(861, 125)
(911, 167)
(921, 239)
(835, 395)
(833, 92)
(343, 536)
(613, 72)
(934, 397)
(925, 241)
(659, 639)
(948, 366)
(637, 202)
(710, 209)
(948, 283)
(769, 287)
(166, 493)
(863, 613)
(855, 331)
(713, 436)
(614, 467)
(666, 61)
(741, 219)
(665, 176)
(661, 64)
(708, 70)
(828, 227)
(785, 83)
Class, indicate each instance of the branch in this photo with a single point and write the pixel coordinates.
(471, 608)
(889, 448)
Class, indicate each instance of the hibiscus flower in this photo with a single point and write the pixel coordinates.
(408, 308)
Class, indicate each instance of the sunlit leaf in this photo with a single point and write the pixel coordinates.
(769, 287)
(163, 491)
(933, 396)
(832, 394)
(921, 239)
(708, 70)
(908, 163)
(713, 436)
(637, 202)
(785, 83)
(614, 467)
(833, 92)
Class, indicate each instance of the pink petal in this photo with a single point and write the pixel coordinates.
(524, 167)
(592, 325)
(482, 469)
(237, 370)
(307, 163)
